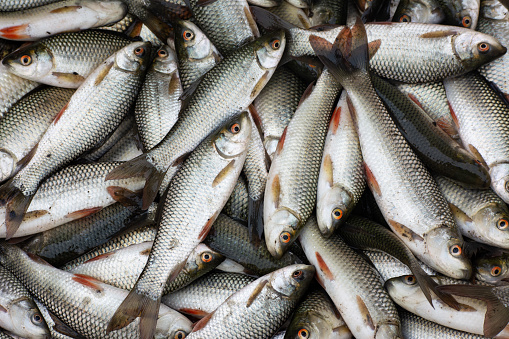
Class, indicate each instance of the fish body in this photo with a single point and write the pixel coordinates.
(16, 5)
(390, 267)
(128, 147)
(238, 204)
(463, 13)
(292, 14)
(423, 11)
(12, 89)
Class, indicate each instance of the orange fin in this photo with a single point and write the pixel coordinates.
(453, 115)
(447, 127)
(202, 323)
(88, 281)
(276, 190)
(365, 313)
(34, 214)
(38, 259)
(281, 142)
(100, 257)
(477, 155)
(416, 101)
(124, 196)
(373, 47)
(258, 289)
(206, 229)
(84, 212)
(323, 267)
(404, 231)
(306, 93)
(103, 73)
(69, 77)
(371, 180)
(438, 34)
(334, 122)
(59, 115)
(194, 312)
(14, 32)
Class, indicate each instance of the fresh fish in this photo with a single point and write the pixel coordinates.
(206, 294)
(483, 129)
(158, 104)
(57, 328)
(72, 193)
(422, 11)
(317, 317)
(196, 53)
(60, 17)
(328, 12)
(127, 148)
(290, 194)
(82, 302)
(341, 179)
(353, 285)
(232, 240)
(276, 104)
(237, 206)
(463, 13)
(65, 60)
(294, 15)
(123, 26)
(493, 269)
(12, 89)
(259, 309)
(435, 148)
(398, 49)
(224, 92)
(25, 123)
(96, 108)
(17, 5)
(404, 190)
(195, 198)
(18, 313)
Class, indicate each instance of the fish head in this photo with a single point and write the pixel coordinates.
(493, 270)
(492, 222)
(311, 325)
(7, 164)
(134, 57)
(332, 209)
(165, 61)
(465, 12)
(233, 138)
(172, 325)
(203, 258)
(106, 12)
(493, 9)
(269, 49)
(412, 11)
(445, 247)
(34, 61)
(500, 180)
(281, 231)
(27, 320)
(292, 281)
(193, 43)
(475, 49)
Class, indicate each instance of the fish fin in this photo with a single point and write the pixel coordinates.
(3, 309)
(258, 289)
(100, 257)
(16, 205)
(135, 29)
(404, 231)
(88, 281)
(251, 21)
(323, 266)
(445, 126)
(306, 93)
(223, 174)
(137, 167)
(202, 323)
(103, 73)
(136, 305)
(187, 93)
(458, 213)
(276, 190)
(26, 159)
(328, 167)
(497, 315)
(281, 142)
(124, 196)
(477, 155)
(415, 100)
(193, 312)
(453, 115)
(269, 21)
(371, 180)
(83, 213)
(373, 47)
(438, 34)
(174, 84)
(365, 312)
(37, 259)
(255, 219)
(18, 240)
(206, 228)
(260, 85)
(205, 2)
(62, 328)
(34, 214)
(14, 32)
(334, 121)
(146, 252)
(347, 55)
(74, 78)
(66, 9)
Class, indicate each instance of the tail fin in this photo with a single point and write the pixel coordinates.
(348, 53)
(140, 166)
(497, 315)
(270, 21)
(255, 219)
(16, 206)
(136, 305)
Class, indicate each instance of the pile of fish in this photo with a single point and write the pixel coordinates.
(272, 169)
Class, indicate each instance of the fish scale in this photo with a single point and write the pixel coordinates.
(12, 88)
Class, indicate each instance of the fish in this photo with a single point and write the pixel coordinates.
(481, 130)
(24, 124)
(331, 12)
(237, 205)
(449, 51)
(60, 17)
(158, 104)
(265, 3)
(292, 14)
(341, 179)
(204, 295)
(290, 193)
(404, 190)
(463, 13)
(423, 11)
(195, 198)
(80, 301)
(12, 89)
(353, 285)
(122, 74)
(227, 91)
(233, 240)
(259, 309)
(18, 313)
(127, 148)
(492, 269)
(64, 60)
(16, 5)
(57, 328)
(317, 317)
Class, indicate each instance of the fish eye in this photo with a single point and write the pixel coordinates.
(337, 213)
(36, 318)
(410, 280)
(502, 224)
(162, 53)
(405, 18)
(507, 186)
(275, 44)
(187, 35)
(455, 250)
(496, 271)
(303, 333)
(285, 237)
(297, 274)
(235, 128)
(140, 51)
(206, 257)
(467, 21)
(180, 335)
(483, 47)
(26, 60)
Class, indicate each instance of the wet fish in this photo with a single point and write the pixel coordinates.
(60, 17)
(65, 60)
(463, 13)
(237, 206)
(423, 11)
(492, 269)
(12, 88)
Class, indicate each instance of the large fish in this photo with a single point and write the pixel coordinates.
(96, 109)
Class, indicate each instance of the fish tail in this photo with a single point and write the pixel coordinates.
(497, 315)
(269, 21)
(255, 219)
(348, 56)
(16, 203)
(427, 285)
(140, 166)
(136, 305)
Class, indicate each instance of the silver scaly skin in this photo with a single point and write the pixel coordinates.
(72, 193)
(158, 104)
(12, 89)
(122, 26)
(128, 147)
(463, 13)
(96, 109)
(82, 302)
(17, 5)
(55, 325)
(258, 310)
(121, 268)
(290, 194)
(237, 205)
(60, 17)
(25, 123)
(292, 14)
(276, 104)
(65, 60)
(206, 294)
(482, 124)
(353, 285)
(341, 179)
(195, 198)
(422, 11)
(18, 313)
